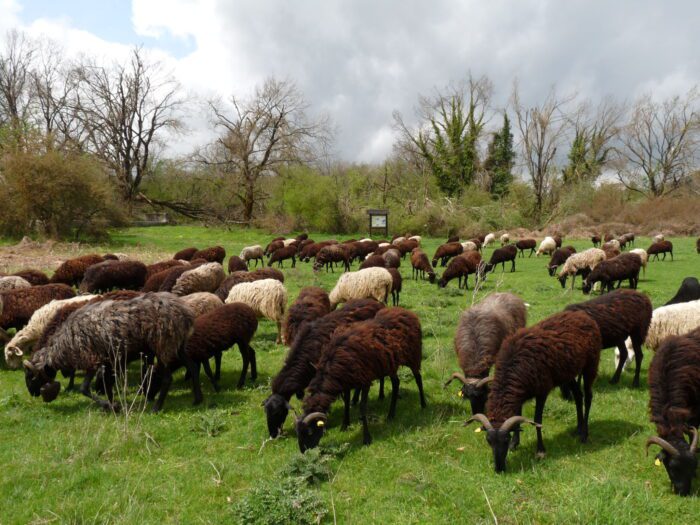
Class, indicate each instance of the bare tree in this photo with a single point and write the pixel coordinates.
(659, 144)
(450, 124)
(262, 134)
(15, 79)
(541, 129)
(123, 111)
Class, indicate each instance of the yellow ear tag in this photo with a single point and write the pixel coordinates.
(477, 429)
(320, 423)
(460, 394)
(657, 462)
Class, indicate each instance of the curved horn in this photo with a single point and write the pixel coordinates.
(29, 366)
(656, 440)
(694, 443)
(509, 423)
(459, 376)
(484, 381)
(314, 415)
(481, 418)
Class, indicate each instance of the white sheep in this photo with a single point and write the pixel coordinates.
(469, 246)
(505, 239)
(613, 243)
(366, 239)
(398, 241)
(416, 238)
(489, 239)
(268, 297)
(255, 252)
(578, 261)
(643, 255)
(370, 282)
(674, 319)
(547, 246)
(658, 238)
(287, 242)
(205, 278)
(202, 302)
(33, 330)
(12, 282)
(383, 244)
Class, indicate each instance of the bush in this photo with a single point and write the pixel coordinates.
(286, 502)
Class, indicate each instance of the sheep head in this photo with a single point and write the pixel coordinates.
(499, 438)
(679, 460)
(276, 410)
(310, 429)
(13, 356)
(474, 389)
(41, 381)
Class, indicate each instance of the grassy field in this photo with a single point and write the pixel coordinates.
(69, 462)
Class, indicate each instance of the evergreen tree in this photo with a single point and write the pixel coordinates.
(500, 159)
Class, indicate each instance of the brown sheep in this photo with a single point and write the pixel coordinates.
(311, 304)
(186, 254)
(71, 272)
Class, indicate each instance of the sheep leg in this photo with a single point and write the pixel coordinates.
(71, 380)
(346, 411)
(381, 388)
(515, 442)
(419, 384)
(356, 396)
(366, 438)
(207, 370)
(4, 336)
(167, 381)
(253, 363)
(245, 355)
(217, 365)
(87, 392)
(279, 333)
(168, 378)
(539, 410)
(466, 282)
(578, 398)
(512, 267)
(394, 396)
(638, 356)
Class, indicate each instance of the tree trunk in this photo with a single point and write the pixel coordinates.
(249, 202)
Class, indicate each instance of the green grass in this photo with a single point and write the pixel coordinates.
(69, 462)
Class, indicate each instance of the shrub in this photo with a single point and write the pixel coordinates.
(286, 502)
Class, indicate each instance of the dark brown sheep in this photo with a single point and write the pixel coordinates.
(557, 240)
(396, 284)
(33, 277)
(356, 356)
(526, 244)
(697, 245)
(211, 254)
(674, 387)
(619, 315)
(279, 256)
(406, 246)
(236, 264)
(530, 364)
(329, 255)
(610, 251)
(302, 237)
(364, 248)
(305, 351)
(312, 303)
(373, 261)
(608, 237)
(311, 250)
(105, 276)
(501, 256)
(421, 265)
(452, 238)
(158, 267)
(71, 272)
(186, 254)
(273, 246)
(173, 274)
(461, 266)
(595, 239)
(445, 252)
(392, 258)
(625, 266)
(154, 282)
(658, 248)
(558, 258)
(17, 306)
(247, 277)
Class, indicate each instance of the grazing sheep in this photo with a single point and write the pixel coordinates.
(33, 277)
(398, 240)
(153, 269)
(531, 363)
(660, 247)
(396, 283)
(416, 238)
(480, 332)
(236, 264)
(185, 254)
(558, 239)
(311, 250)
(608, 237)
(674, 388)
(267, 297)
(547, 246)
(392, 258)
(406, 246)
(658, 238)
(253, 253)
(478, 242)
(302, 237)
(620, 315)
(595, 239)
(211, 254)
(643, 256)
(469, 246)
(580, 264)
(559, 257)
(625, 266)
(247, 277)
(116, 257)
(25, 338)
(421, 265)
(202, 302)
(697, 245)
(628, 238)
(489, 239)
(612, 245)
(505, 239)
(205, 278)
(373, 261)
(279, 256)
(501, 256)
(107, 275)
(327, 256)
(17, 306)
(611, 251)
(689, 291)
(173, 274)
(290, 242)
(461, 266)
(13, 282)
(155, 324)
(375, 283)
(445, 252)
(356, 356)
(363, 248)
(71, 272)
(273, 246)
(526, 244)
(300, 364)
(155, 281)
(452, 238)
(311, 304)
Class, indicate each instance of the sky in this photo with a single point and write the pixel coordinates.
(358, 61)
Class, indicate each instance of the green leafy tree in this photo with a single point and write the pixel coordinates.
(500, 159)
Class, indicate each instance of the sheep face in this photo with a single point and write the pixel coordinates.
(477, 396)
(41, 381)
(276, 410)
(310, 430)
(499, 441)
(680, 468)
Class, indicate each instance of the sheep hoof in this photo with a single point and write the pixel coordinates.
(541, 454)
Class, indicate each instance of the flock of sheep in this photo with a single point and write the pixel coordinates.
(185, 311)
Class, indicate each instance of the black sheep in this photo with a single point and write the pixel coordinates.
(459, 267)
(595, 239)
(530, 364)
(619, 315)
(689, 291)
(625, 266)
(279, 256)
(373, 261)
(105, 276)
(559, 257)
(526, 244)
(305, 351)
(658, 248)
(501, 256)
(674, 387)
